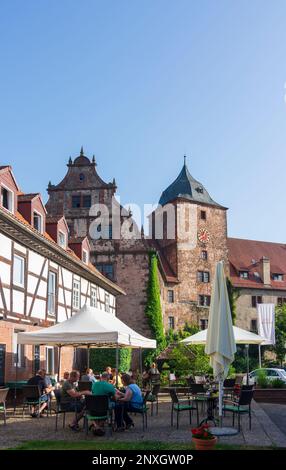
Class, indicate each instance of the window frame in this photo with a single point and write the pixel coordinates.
(78, 196)
(93, 296)
(23, 270)
(171, 322)
(61, 233)
(41, 218)
(50, 371)
(50, 294)
(76, 301)
(12, 196)
(170, 296)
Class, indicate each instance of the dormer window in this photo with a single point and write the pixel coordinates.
(7, 199)
(243, 274)
(199, 189)
(85, 256)
(277, 277)
(62, 241)
(38, 221)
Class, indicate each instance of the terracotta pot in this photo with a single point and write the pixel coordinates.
(204, 444)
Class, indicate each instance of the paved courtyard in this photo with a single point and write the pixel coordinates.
(264, 430)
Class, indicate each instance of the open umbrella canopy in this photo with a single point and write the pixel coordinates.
(240, 337)
(89, 327)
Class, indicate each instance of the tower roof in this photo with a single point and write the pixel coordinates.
(186, 187)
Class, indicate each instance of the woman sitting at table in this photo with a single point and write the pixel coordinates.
(119, 381)
(130, 401)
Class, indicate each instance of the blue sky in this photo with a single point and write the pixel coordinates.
(141, 82)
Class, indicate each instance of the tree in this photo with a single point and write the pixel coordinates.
(280, 333)
(153, 309)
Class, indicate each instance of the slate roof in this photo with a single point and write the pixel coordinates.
(186, 187)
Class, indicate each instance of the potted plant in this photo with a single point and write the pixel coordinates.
(203, 438)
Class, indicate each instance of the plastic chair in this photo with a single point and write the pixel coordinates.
(97, 409)
(180, 405)
(3, 396)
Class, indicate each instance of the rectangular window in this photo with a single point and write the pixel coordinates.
(203, 215)
(106, 269)
(19, 271)
(38, 222)
(203, 276)
(107, 302)
(85, 256)
(277, 277)
(62, 240)
(204, 254)
(18, 350)
(243, 274)
(52, 286)
(75, 202)
(204, 300)
(87, 201)
(281, 301)
(253, 326)
(50, 360)
(256, 299)
(37, 358)
(93, 296)
(110, 231)
(171, 323)
(76, 294)
(7, 199)
(203, 323)
(170, 296)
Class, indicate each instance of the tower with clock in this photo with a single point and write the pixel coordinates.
(190, 257)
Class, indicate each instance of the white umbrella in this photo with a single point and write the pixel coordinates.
(220, 344)
(240, 337)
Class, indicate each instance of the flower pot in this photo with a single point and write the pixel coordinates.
(204, 444)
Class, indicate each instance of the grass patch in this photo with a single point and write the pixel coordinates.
(147, 445)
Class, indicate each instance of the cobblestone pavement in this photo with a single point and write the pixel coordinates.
(264, 431)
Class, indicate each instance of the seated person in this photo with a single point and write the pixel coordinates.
(102, 387)
(45, 389)
(113, 381)
(130, 401)
(71, 399)
(145, 378)
(66, 376)
(108, 371)
(88, 376)
(49, 383)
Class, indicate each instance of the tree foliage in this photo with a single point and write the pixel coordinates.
(280, 333)
(153, 310)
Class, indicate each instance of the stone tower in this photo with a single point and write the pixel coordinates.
(190, 253)
(125, 261)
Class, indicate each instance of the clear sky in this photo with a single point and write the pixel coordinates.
(141, 82)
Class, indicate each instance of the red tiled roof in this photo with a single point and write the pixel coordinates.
(246, 255)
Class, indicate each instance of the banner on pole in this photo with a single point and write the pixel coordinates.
(266, 322)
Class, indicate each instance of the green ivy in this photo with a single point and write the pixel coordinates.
(99, 359)
(153, 310)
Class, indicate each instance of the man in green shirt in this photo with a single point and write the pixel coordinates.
(102, 387)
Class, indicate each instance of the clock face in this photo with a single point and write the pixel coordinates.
(203, 235)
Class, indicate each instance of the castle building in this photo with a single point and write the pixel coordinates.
(189, 233)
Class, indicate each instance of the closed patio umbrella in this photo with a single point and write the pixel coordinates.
(220, 343)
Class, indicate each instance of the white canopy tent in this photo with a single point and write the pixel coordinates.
(90, 327)
(240, 337)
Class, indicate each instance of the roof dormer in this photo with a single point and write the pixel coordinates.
(8, 189)
(31, 207)
(57, 228)
(81, 247)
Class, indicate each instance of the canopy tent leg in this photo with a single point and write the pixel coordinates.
(140, 364)
(88, 350)
(59, 362)
(15, 389)
(259, 355)
(116, 364)
(247, 363)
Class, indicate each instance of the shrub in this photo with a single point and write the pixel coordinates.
(262, 380)
(277, 383)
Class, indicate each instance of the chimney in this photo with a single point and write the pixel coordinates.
(265, 271)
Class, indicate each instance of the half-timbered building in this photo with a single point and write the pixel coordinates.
(43, 279)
